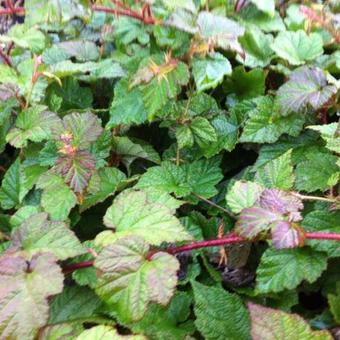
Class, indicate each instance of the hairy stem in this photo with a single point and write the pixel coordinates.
(315, 198)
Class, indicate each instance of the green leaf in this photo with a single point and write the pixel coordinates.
(257, 49)
(286, 269)
(22, 214)
(210, 71)
(175, 4)
(70, 95)
(184, 136)
(128, 30)
(314, 173)
(14, 187)
(6, 117)
(163, 87)
(106, 332)
(129, 281)
(73, 304)
(88, 71)
(34, 124)
(25, 37)
(37, 234)
(8, 75)
(294, 20)
(330, 135)
(81, 50)
(203, 175)
(298, 47)
(109, 180)
(243, 195)
(221, 30)
(306, 87)
(334, 303)
(127, 106)
(277, 173)
(266, 6)
(25, 287)
(199, 177)
(202, 131)
(266, 125)
(245, 85)
(37, 12)
(323, 221)
(58, 206)
(268, 324)
(219, 314)
(61, 331)
(168, 177)
(162, 198)
(226, 129)
(131, 213)
(166, 322)
(129, 150)
(167, 36)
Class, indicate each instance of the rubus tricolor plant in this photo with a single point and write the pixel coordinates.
(169, 170)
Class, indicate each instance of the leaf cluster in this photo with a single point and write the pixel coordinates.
(130, 129)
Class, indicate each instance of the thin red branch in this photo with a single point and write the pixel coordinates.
(71, 268)
(323, 236)
(125, 12)
(15, 10)
(228, 239)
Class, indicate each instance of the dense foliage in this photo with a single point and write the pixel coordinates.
(169, 170)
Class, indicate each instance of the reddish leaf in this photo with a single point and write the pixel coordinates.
(253, 221)
(287, 235)
(283, 203)
(76, 168)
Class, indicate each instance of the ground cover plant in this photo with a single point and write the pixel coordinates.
(169, 169)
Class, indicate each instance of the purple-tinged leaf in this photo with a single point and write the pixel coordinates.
(24, 289)
(253, 221)
(283, 203)
(76, 168)
(129, 280)
(287, 235)
(306, 86)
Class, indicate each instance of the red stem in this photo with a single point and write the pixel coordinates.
(228, 239)
(323, 236)
(71, 268)
(10, 11)
(125, 12)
